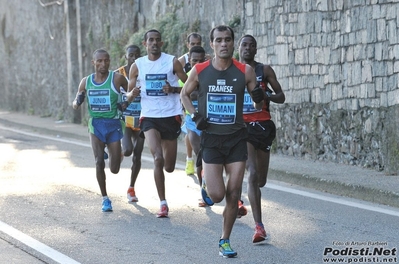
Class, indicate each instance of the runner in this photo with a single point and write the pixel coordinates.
(155, 78)
(102, 89)
(221, 83)
(261, 131)
(131, 141)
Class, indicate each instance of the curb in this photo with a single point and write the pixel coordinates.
(337, 188)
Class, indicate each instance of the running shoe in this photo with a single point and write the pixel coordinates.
(131, 195)
(260, 233)
(225, 250)
(201, 203)
(204, 194)
(107, 207)
(190, 167)
(163, 212)
(242, 210)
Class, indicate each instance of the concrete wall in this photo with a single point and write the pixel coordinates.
(335, 59)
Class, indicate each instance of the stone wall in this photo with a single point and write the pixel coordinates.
(335, 59)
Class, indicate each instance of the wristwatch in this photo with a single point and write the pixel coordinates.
(193, 116)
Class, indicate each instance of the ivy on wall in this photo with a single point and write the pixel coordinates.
(172, 31)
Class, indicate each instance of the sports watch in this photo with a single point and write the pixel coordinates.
(193, 116)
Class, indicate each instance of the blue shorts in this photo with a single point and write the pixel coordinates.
(107, 130)
(190, 125)
(184, 128)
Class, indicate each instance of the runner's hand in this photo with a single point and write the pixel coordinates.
(166, 88)
(200, 121)
(257, 94)
(122, 105)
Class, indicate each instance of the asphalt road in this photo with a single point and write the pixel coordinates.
(50, 199)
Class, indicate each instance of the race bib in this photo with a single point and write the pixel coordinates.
(132, 112)
(132, 121)
(99, 100)
(154, 83)
(221, 108)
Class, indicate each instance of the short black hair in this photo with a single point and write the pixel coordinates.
(195, 35)
(197, 49)
(101, 50)
(248, 36)
(151, 30)
(132, 47)
(221, 28)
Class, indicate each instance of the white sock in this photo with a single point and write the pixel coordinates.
(189, 158)
(163, 202)
(105, 198)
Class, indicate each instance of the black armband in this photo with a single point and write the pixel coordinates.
(80, 98)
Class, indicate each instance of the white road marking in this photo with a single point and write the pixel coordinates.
(337, 200)
(68, 141)
(36, 245)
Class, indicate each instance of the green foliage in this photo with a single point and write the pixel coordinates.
(115, 47)
(137, 39)
(236, 55)
(89, 36)
(235, 21)
(195, 26)
(117, 51)
(172, 31)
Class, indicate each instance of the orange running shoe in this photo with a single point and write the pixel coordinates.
(201, 203)
(242, 210)
(131, 195)
(260, 233)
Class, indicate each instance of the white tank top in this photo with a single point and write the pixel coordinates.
(152, 75)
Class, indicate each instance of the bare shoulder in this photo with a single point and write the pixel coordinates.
(249, 69)
(119, 79)
(268, 70)
(177, 66)
(83, 81)
(118, 76)
(134, 71)
(182, 58)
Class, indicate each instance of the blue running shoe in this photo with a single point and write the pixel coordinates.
(107, 207)
(225, 250)
(204, 194)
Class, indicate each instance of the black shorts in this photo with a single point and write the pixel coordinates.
(261, 134)
(168, 127)
(224, 149)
